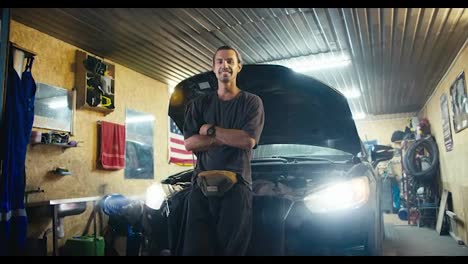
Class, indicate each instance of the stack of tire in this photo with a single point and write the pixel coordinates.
(418, 166)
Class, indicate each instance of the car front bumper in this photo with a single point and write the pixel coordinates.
(307, 233)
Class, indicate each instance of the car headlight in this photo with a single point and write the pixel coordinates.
(343, 195)
(155, 196)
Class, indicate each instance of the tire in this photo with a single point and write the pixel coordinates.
(375, 236)
(409, 158)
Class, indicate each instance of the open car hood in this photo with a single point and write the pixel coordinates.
(298, 109)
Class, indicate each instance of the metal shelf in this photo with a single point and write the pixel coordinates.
(61, 145)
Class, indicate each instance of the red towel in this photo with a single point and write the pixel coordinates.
(112, 146)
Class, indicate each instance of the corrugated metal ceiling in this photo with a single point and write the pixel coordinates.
(398, 55)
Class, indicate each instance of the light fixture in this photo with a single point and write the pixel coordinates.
(314, 62)
(359, 115)
(155, 196)
(351, 93)
(170, 86)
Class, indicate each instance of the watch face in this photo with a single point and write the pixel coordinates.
(210, 131)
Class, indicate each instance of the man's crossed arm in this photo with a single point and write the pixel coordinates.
(232, 137)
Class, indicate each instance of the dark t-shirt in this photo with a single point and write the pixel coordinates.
(245, 112)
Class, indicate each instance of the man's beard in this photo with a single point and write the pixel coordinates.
(224, 78)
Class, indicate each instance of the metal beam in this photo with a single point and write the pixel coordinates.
(4, 44)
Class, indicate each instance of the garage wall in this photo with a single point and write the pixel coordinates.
(453, 164)
(54, 65)
(381, 129)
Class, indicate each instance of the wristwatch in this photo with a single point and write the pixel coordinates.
(211, 131)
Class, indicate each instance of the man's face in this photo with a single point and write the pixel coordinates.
(225, 66)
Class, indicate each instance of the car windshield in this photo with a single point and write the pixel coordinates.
(296, 150)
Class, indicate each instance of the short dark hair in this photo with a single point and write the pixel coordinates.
(225, 47)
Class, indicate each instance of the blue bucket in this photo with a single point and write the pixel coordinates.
(112, 204)
(403, 214)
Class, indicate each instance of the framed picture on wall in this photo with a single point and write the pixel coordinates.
(459, 100)
(444, 107)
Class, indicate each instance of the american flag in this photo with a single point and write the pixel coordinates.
(177, 152)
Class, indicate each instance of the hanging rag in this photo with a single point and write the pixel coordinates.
(19, 117)
(112, 154)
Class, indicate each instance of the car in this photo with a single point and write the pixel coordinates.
(315, 188)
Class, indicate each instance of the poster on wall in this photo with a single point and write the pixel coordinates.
(446, 123)
(459, 103)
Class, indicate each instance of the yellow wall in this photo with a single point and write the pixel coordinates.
(54, 65)
(381, 130)
(453, 164)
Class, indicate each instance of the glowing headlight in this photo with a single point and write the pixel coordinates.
(155, 196)
(343, 195)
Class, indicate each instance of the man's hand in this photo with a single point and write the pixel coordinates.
(200, 143)
(204, 129)
(232, 137)
(237, 138)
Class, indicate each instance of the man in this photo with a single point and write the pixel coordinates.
(221, 129)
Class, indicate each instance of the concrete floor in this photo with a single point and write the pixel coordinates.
(402, 239)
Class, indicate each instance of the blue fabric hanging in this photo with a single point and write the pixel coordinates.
(19, 117)
(396, 195)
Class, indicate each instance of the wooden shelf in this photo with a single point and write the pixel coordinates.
(101, 85)
(98, 108)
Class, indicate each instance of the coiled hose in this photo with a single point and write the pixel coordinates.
(412, 158)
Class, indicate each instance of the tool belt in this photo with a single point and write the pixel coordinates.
(216, 182)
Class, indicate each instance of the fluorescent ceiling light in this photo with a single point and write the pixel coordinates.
(351, 94)
(171, 85)
(314, 62)
(359, 115)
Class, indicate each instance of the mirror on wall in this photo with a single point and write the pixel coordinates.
(53, 108)
(139, 157)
